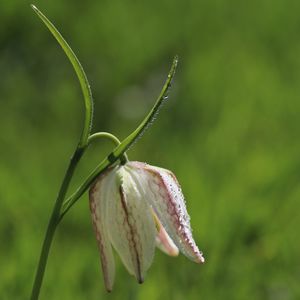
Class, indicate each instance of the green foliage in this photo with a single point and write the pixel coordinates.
(229, 132)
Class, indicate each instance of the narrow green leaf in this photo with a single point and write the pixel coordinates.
(85, 87)
(147, 122)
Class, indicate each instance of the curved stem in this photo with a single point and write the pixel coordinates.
(54, 220)
(107, 135)
(85, 86)
(113, 138)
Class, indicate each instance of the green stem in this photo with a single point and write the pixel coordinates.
(101, 135)
(78, 193)
(53, 222)
(111, 137)
(81, 190)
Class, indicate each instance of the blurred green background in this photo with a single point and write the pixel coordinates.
(229, 132)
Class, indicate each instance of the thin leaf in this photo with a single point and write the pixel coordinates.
(147, 122)
(85, 86)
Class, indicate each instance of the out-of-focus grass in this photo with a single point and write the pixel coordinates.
(229, 132)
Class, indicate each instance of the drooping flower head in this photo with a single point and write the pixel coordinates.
(136, 207)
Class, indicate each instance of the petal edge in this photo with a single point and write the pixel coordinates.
(97, 203)
(164, 194)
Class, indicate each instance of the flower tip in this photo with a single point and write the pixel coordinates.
(140, 280)
(200, 259)
(176, 58)
(33, 7)
(174, 252)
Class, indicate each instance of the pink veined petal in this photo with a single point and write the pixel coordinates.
(132, 229)
(97, 207)
(163, 193)
(163, 241)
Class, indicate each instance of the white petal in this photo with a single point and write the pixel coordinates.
(97, 207)
(163, 193)
(131, 226)
(163, 241)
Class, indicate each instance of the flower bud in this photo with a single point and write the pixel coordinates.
(136, 207)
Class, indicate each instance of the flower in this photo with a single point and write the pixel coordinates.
(134, 208)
